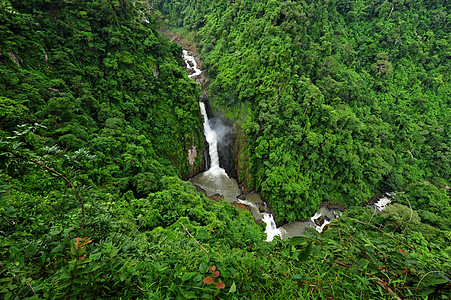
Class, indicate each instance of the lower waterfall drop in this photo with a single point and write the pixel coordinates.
(271, 227)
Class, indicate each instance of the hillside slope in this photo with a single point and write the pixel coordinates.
(348, 99)
(96, 117)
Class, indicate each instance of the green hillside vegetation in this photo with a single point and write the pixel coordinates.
(97, 115)
(349, 98)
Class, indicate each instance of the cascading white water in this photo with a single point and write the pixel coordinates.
(215, 180)
(321, 227)
(382, 203)
(215, 174)
(212, 139)
(191, 64)
(271, 227)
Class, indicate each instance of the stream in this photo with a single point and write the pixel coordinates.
(215, 181)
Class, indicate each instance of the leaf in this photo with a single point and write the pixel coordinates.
(188, 276)
(316, 251)
(435, 280)
(305, 254)
(208, 280)
(296, 240)
(206, 296)
(62, 285)
(362, 264)
(216, 274)
(57, 249)
(296, 277)
(81, 280)
(65, 275)
(114, 252)
(212, 269)
(85, 242)
(55, 231)
(232, 288)
(220, 285)
(203, 267)
(312, 230)
(31, 250)
(160, 267)
(81, 271)
(122, 275)
(95, 256)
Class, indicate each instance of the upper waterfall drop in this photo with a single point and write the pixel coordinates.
(191, 64)
(215, 180)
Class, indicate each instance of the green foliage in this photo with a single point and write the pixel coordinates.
(118, 114)
(79, 78)
(348, 98)
(432, 204)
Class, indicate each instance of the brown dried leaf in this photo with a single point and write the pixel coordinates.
(85, 242)
(220, 285)
(208, 280)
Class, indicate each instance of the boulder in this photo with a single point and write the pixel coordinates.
(215, 197)
(319, 221)
(239, 205)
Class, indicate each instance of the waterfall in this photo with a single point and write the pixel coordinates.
(382, 203)
(191, 64)
(271, 227)
(212, 139)
(215, 179)
(319, 228)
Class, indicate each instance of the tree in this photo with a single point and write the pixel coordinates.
(382, 65)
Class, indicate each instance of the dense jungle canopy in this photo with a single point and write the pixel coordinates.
(348, 98)
(334, 100)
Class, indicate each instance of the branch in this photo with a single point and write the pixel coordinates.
(371, 225)
(61, 176)
(8, 221)
(379, 281)
(392, 8)
(186, 229)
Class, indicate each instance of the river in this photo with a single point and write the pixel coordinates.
(215, 181)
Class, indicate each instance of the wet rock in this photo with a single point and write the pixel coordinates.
(244, 189)
(200, 190)
(319, 221)
(239, 205)
(215, 197)
(261, 208)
